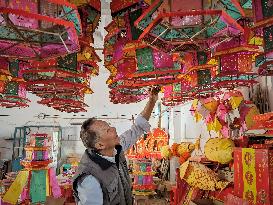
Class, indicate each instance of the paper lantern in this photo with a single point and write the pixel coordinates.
(64, 102)
(219, 150)
(187, 32)
(235, 63)
(34, 29)
(265, 62)
(126, 96)
(176, 93)
(61, 75)
(117, 5)
(200, 176)
(13, 89)
(263, 9)
(143, 175)
(202, 84)
(64, 105)
(144, 59)
(37, 181)
(96, 4)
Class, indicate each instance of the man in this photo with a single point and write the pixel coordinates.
(102, 177)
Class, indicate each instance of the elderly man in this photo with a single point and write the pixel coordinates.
(102, 177)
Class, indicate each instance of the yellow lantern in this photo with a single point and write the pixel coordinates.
(219, 150)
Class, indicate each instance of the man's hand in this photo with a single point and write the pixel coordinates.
(146, 113)
(154, 93)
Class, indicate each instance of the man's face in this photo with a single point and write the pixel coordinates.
(108, 137)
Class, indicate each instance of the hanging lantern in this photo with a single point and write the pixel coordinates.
(235, 63)
(264, 24)
(58, 76)
(50, 8)
(263, 9)
(265, 64)
(142, 67)
(12, 88)
(121, 31)
(199, 73)
(176, 93)
(202, 82)
(121, 98)
(118, 5)
(153, 70)
(5, 74)
(14, 95)
(26, 29)
(65, 103)
(127, 95)
(96, 4)
(90, 15)
(189, 29)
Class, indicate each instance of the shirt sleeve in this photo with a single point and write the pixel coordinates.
(129, 138)
(90, 192)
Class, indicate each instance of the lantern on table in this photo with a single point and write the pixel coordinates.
(37, 180)
(143, 178)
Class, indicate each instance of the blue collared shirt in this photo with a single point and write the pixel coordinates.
(89, 191)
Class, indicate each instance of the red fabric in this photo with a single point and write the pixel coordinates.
(180, 191)
(222, 195)
(234, 200)
(238, 171)
(264, 175)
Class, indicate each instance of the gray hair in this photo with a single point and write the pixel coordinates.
(88, 136)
